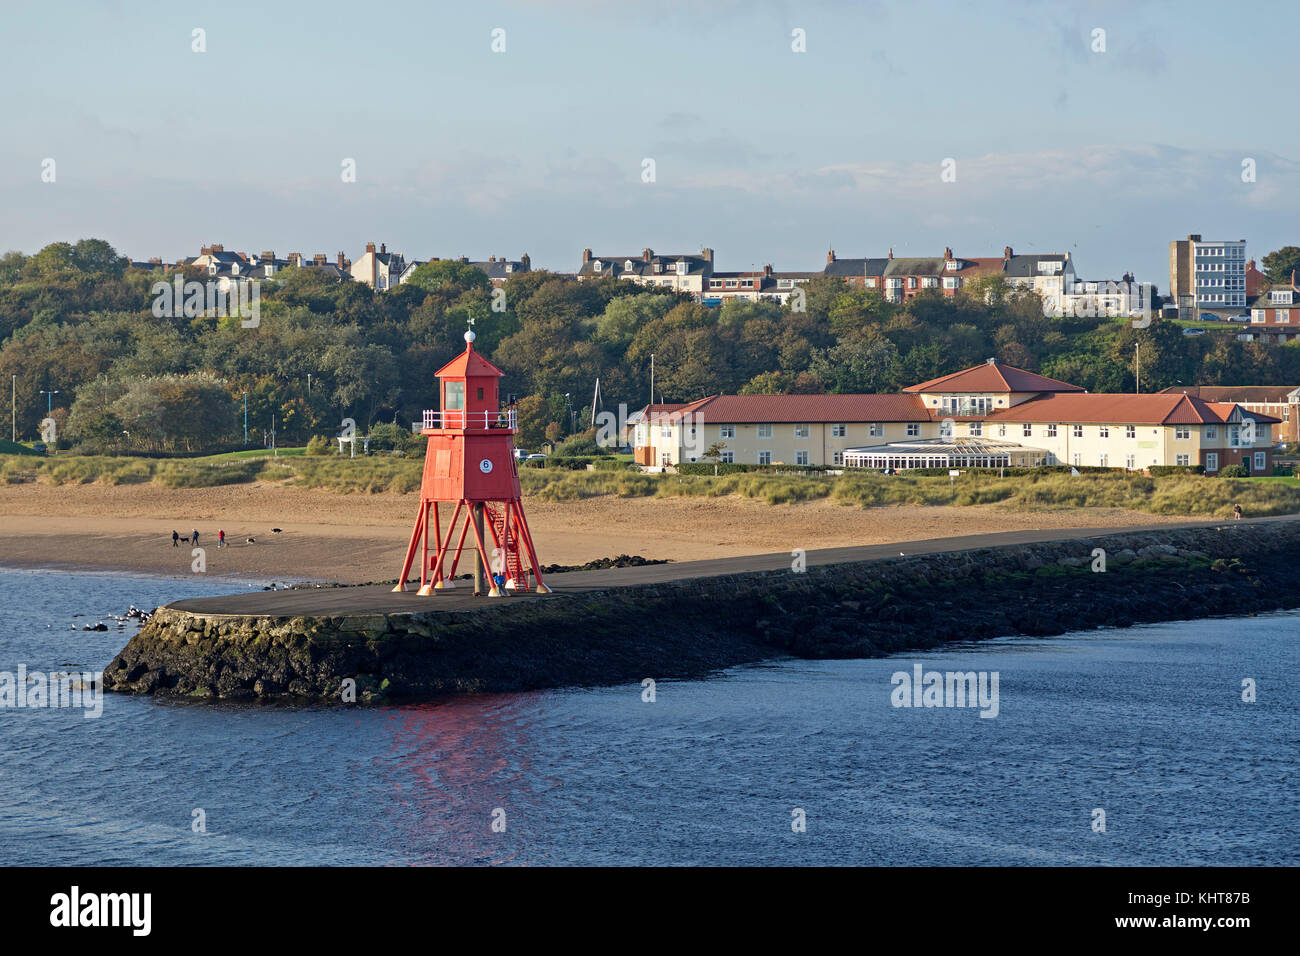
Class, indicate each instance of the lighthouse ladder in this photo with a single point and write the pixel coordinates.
(514, 569)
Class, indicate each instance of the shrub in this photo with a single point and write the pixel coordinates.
(577, 445)
(318, 445)
(1234, 471)
(1162, 470)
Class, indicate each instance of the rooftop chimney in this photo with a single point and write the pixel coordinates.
(382, 249)
(492, 258)
(830, 256)
(586, 255)
(707, 255)
(947, 253)
(891, 252)
(370, 247)
(218, 248)
(1006, 252)
(342, 262)
(767, 270)
(319, 259)
(526, 262)
(647, 255)
(268, 255)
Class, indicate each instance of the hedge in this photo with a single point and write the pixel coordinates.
(1161, 470)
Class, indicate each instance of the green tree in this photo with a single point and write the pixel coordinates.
(1281, 263)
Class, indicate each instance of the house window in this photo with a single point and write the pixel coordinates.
(1130, 431)
(1211, 462)
(665, 431)
(950, 282)
(1280, 315)
(728, 457)
(1076, 459)
(838, 431)
(765, 458)
(913, 430)
(1182, 460)
(1027, 430)
(480, 394)
(838, 458)
(801, 431)
(1078, 433)
(801, 458)
(1182, 431)
(1259, 461)
(1130, 462)
(975, 428)
(726, 431)
(1103, 431)
(1051, 431)
(1002, 431)
(1104, 461)
(1211, 431)
(765, 431)
(875, 431)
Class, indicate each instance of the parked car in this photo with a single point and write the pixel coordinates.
(535, 456)
(39, 446)
(1193, 331)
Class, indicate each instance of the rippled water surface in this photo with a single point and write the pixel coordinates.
(1146, 723)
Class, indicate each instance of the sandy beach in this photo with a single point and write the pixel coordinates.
(358, 538)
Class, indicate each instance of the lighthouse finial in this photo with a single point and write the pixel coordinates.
(470, 336)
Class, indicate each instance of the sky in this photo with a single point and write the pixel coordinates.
(1061, 139)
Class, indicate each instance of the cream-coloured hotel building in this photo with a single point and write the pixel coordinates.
(990, 415)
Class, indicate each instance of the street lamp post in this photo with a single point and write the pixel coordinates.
(13, 409)
(50, 395)
(245, 418)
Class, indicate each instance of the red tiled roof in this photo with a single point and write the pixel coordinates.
(1241, 394)
(812, 408)
(468, 362)
(993, 377)
(1121, 409)
(671, 411)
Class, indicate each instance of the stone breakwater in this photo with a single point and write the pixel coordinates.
(695, 626)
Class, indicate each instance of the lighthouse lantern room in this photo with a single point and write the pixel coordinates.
(470, 464)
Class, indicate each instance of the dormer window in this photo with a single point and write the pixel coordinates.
(951, 265)
(627, 265)
(595, 266)
(212, 269)
(659, 267)
(681, 268)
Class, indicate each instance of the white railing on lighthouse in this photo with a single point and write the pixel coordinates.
(455, 418)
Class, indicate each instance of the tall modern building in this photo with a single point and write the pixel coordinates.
(1208, 279)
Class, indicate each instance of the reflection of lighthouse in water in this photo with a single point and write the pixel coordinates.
(467, 786)
(470, 460)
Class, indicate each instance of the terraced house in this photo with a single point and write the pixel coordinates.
(987, 416)
(1051, 275)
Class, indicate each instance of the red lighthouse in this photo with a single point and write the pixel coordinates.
(471, 461)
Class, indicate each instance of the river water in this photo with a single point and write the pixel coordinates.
(1146, 724)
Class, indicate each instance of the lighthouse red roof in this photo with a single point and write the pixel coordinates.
(468, 363)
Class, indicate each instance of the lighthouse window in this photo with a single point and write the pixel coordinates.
(454, 396)
(480, 394)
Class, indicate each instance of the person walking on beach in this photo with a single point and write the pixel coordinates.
(176, 539)
(195, 536)
(1236, 512)
(221, 538)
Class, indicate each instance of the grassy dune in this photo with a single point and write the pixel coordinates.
(1191, 495)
